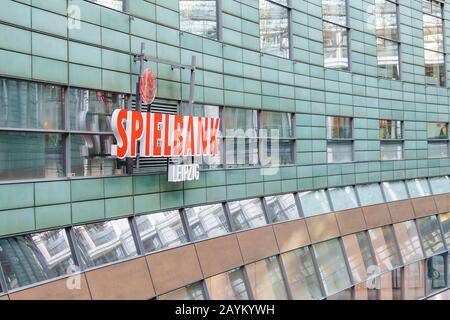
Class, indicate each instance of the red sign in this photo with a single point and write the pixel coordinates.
(163, 135)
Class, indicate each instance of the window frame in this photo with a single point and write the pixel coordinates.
(350, 141)
(289, 8)
(348, 29)
(438, 141)
(387, 141)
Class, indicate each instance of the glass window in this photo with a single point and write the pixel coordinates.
(434, 49)
(391, 150)
(387, 39)
(438, 140)
(161, 230)
(191, 292)
(332, 266)
(370, 194)
(274, 27)
(391, 129)
(395, 191)
(343, 295)
(339, 152)
(335, 34)
(280, 122)
(199, 17)
(314, 203)
(301, 274)
(437, 130)
(357, 247)
(26, 155)
(266, 280)
(228, 286)
(113, 4)
(414, 280)
(408, 241)
(33, 258)
(362, 292)
(390, 133)
(445, 222)
(418, 188)
(339, 128)
(339, 134)
(436, 273)
(391, 285)
(104, 242)
(282, 208)
(384, 245)
(30, 105)
(211, 218)
(430, 234)
(343, 198)
(247, 214)
(437, 149)
(440, 185)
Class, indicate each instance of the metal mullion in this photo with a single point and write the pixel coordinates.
(441, 228)
(347, 263)
(247, 284)
(284, 277)
(219, 20)
(226, 208)
(67, 136)
(298, 203)
(336, 24)
(317, 271)
(227, 217)
(3, 282)
(205, 289)
(76, 253)
(136, 237)
(266, 210)
(375, 260)
(330, 202)
(185, 223)
(37, 130)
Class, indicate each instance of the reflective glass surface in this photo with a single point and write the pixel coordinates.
(332, 267)
(391, 285)
(190, 292)
(301, 274)
(227, 286)
(370, 194)
(207, 221)
(247, 214)
(437, 149)
(434, 68)
(408, 241)
(314, 203)
(266, 280)
(436, 273)
(437, 130)
(430, 235)
(104, 242)
(391, 150)
(343, 198)
(339, 152)
(199, 17)
(282, 208)
(29, 259)
(161, 230)
(440, 185)
(418, 188)
(395, 191)
(113, 4)
(281, 122)
(357, 247)
(445, 222)
(386, 19)
(385, 248)
(388, 59)
(335, 11)
(31, 156)
(414, 277)
(339, 128)
(391, 129)
(335, 44)
(274, 28)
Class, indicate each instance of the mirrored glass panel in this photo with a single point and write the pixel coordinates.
(391, 150)
(280, 122)
(437, 130)
(361, 291)
(370, 194)
(408, 241)
(191, 292)
(430, 235)
(385, 248)
(391, 285)
(335, 43)
(343, 198)
(388, 59)
(33, 258)
(247, 214)
(339, 128)
(207, 221)
(440, 185)
(228, 286)
(314, 203)
(113, 4)
(395, 191)
(104, 242)
(436, 273)
(445, 222)
(31, 105)
(434, 68)
(266, 280)
(281, 208)
(161, 230)
(332, 267)
(418, 188)
(414, 275)
(301, 274)
(274, 28)
(339, 151)
(343, 295)
(199, 17)
(386, 19)
(437, 149)
(335, 11)
(357, 247)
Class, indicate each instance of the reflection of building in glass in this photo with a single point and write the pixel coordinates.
(274, 28)
(199, 17)
(113, 4)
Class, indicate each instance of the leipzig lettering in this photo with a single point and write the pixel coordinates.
(163, 135)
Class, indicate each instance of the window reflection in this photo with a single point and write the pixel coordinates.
(228, 286)
(29, 259)
(161, 230)
(339, 135)
(301, 274)
(274, 28)
(335, 34)
(445, 222)
(190, 292)
(357, 247)
(391, 285)
(247, 214)
(314, 203)
(199, 17)
(282, 208)
(266, 280)
(418, 188)
(414, 280)
(430, 234)
(385, 248)
(408, 241)
(113, 4)
(370, 194)
(207, 221)
(104, 242)
(332, 267)
(436, 273)
(343, 198)
(395, 191)
(440, 185)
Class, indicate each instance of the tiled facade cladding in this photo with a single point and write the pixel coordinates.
(36, 44)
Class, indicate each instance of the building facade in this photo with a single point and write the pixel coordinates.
(332, 180)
